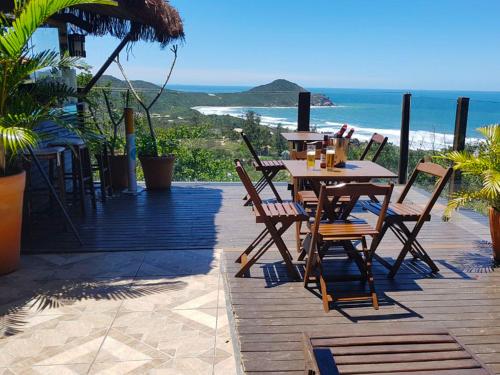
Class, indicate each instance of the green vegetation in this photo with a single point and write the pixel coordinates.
(483, 165)
(277, 93)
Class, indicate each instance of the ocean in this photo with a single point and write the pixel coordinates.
(432, 118)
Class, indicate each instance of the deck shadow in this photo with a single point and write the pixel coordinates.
(180, 218)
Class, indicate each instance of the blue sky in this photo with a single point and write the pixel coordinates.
(419, 44)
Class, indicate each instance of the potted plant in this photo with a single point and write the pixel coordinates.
(23, 105)
(109, 123)
(157, 166)
(158, 170)
(485, 164)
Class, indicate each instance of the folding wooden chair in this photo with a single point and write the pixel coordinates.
(268, 168)
(308, 198)
(345, 231)
(375, 139)
(401, 212)
(277, 218)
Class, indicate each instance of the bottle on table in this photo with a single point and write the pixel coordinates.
(323, 152)
(341, 132)
(351, 132)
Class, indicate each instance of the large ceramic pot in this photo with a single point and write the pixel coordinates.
(495, 232)
(119, 172)
(158, 171)
(11, 218)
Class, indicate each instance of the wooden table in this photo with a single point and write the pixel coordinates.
(355, 171)
(299, 138)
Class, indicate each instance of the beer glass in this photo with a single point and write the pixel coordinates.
(330, 158)
(311, 156)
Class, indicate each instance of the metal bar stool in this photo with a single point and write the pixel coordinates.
(81, 170)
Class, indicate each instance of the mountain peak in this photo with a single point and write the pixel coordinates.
(278, 85)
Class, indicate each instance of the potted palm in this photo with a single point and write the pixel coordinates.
(23, 105)
(485, 164)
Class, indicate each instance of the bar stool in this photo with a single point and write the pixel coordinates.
(81, 170)
(55, 158)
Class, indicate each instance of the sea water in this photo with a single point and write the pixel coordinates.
(432, 118)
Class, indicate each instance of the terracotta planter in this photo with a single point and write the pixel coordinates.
(11, 214)
(158, 171)
(119, 172)
(495, 232)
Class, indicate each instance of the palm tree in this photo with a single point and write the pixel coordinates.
(22, 107)
(485, 164)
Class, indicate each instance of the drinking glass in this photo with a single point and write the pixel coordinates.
(311, 156)
(330, 158)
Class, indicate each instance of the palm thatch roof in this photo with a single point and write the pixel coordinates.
(147, 20)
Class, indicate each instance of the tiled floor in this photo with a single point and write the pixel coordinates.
(160, 312)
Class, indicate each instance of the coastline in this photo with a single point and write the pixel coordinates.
(419, 139)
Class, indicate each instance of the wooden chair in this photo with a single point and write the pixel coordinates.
(375, 139)
(382, 348)
(277, 218)
(344, 231)
(268, 168)
(402, 212)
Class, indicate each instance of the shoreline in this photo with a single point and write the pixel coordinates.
(419, 139)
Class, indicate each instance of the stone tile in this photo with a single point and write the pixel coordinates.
(167, 332)
(56, 340)
(176, 263)
(121, 347)
(127, 367)
(185, 366)
(117, 264)
(226, 366)
(161, 293)
(69, 369)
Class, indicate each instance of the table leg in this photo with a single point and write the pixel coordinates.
(298, 224)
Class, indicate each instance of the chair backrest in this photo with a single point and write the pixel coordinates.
(375, 139)
(251, 149)
(302, 155)
(330, 195)
(443, 174)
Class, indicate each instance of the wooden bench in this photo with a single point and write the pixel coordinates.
(396, 350)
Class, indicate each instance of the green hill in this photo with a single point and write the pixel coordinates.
(279, 93)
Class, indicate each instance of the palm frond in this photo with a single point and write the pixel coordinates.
(32, 15)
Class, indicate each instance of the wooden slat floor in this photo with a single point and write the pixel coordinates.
(270, 312)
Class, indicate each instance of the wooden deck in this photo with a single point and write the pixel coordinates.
(269, 311)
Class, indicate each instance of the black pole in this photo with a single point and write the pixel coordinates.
(55, 195)
(461, 117)
(105, 66)
(304, 111)
(404, 139)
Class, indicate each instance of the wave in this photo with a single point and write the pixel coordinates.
(419, 139)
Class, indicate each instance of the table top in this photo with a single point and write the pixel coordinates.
(355, 170)
(303, 136)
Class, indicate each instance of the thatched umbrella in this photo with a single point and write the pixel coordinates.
(147, 20)
(130, 20)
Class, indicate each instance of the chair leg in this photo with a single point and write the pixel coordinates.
(253, 245)
(369, 274)
(269, 179)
